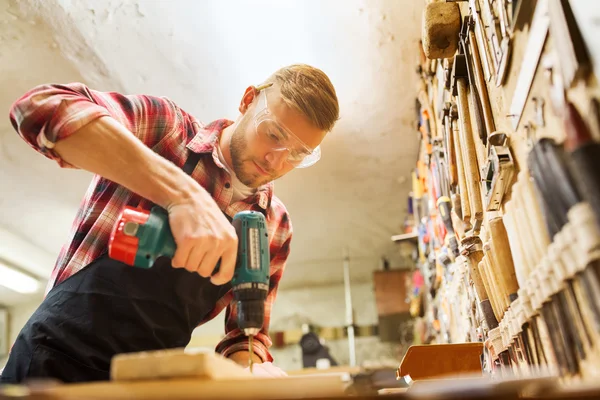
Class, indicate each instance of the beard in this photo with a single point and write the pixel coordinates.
(245, 172)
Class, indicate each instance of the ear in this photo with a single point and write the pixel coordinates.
(247, 99)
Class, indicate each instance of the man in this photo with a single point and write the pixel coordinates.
(145, 150)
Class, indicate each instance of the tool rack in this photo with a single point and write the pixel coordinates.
(508, 129)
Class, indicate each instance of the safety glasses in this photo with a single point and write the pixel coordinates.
(279, 138)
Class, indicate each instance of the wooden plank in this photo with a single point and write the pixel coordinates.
(174, 363)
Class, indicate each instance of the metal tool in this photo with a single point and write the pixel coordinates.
(140, 237)
(445, 206)
(538, 103)
(574, 61)
(449, 150)
(482, 43)
(535, 44)
(498, 172)
(498, 37)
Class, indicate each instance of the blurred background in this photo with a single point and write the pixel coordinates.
(202, 55)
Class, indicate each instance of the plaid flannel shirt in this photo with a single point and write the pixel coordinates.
(49, 113)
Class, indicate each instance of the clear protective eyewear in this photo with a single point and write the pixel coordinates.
(278, 137)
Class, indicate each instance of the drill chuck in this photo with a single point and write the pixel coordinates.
(250, 299)
(251, 316)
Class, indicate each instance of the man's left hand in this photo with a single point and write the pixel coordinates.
(266, 369)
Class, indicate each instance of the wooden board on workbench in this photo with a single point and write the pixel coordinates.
(179, 374)
(291, 387)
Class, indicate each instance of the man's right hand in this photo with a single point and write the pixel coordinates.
(203, 235)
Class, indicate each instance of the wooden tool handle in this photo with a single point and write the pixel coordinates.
(453, 172)
(489, 287)
(458, 225)
(495, 280)
(532, 253)
(534, 212)
(503, 260)
(481, 86)
(456, 205)
(480, 281)
(522, 269)
(469, 155)
(473, 260)
(462, 178)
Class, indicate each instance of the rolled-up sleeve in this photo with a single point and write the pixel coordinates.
(49, 113)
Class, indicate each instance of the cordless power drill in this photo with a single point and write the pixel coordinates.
(140, 237)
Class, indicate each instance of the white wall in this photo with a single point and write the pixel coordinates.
(321, 306)
(17, 317)
(325, 306)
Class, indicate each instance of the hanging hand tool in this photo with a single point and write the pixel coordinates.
(529, 243)
(585, 156)
(466, 143)
(481, 42)
(440, 25)
(445, 207)
(477, 103)
(575, 63)
(470, 43)
(499, 37)
(140, 237)
(570, 304)
(536, 38)
(472, 250)
(450, 152)
(498, 171)
(461, 196)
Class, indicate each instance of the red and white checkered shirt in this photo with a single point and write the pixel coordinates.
(52, 112)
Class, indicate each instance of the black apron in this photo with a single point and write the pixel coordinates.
(109, 308)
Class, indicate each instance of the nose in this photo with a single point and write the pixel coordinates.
(276, 158)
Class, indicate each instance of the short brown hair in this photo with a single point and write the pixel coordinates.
(308, 90)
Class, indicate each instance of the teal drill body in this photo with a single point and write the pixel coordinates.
(250, 281)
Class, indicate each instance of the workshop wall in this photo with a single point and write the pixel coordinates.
(321, 307)
(325, 307)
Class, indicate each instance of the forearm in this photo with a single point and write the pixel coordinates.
(105, 147)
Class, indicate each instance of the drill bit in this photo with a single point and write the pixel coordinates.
(251, 351)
